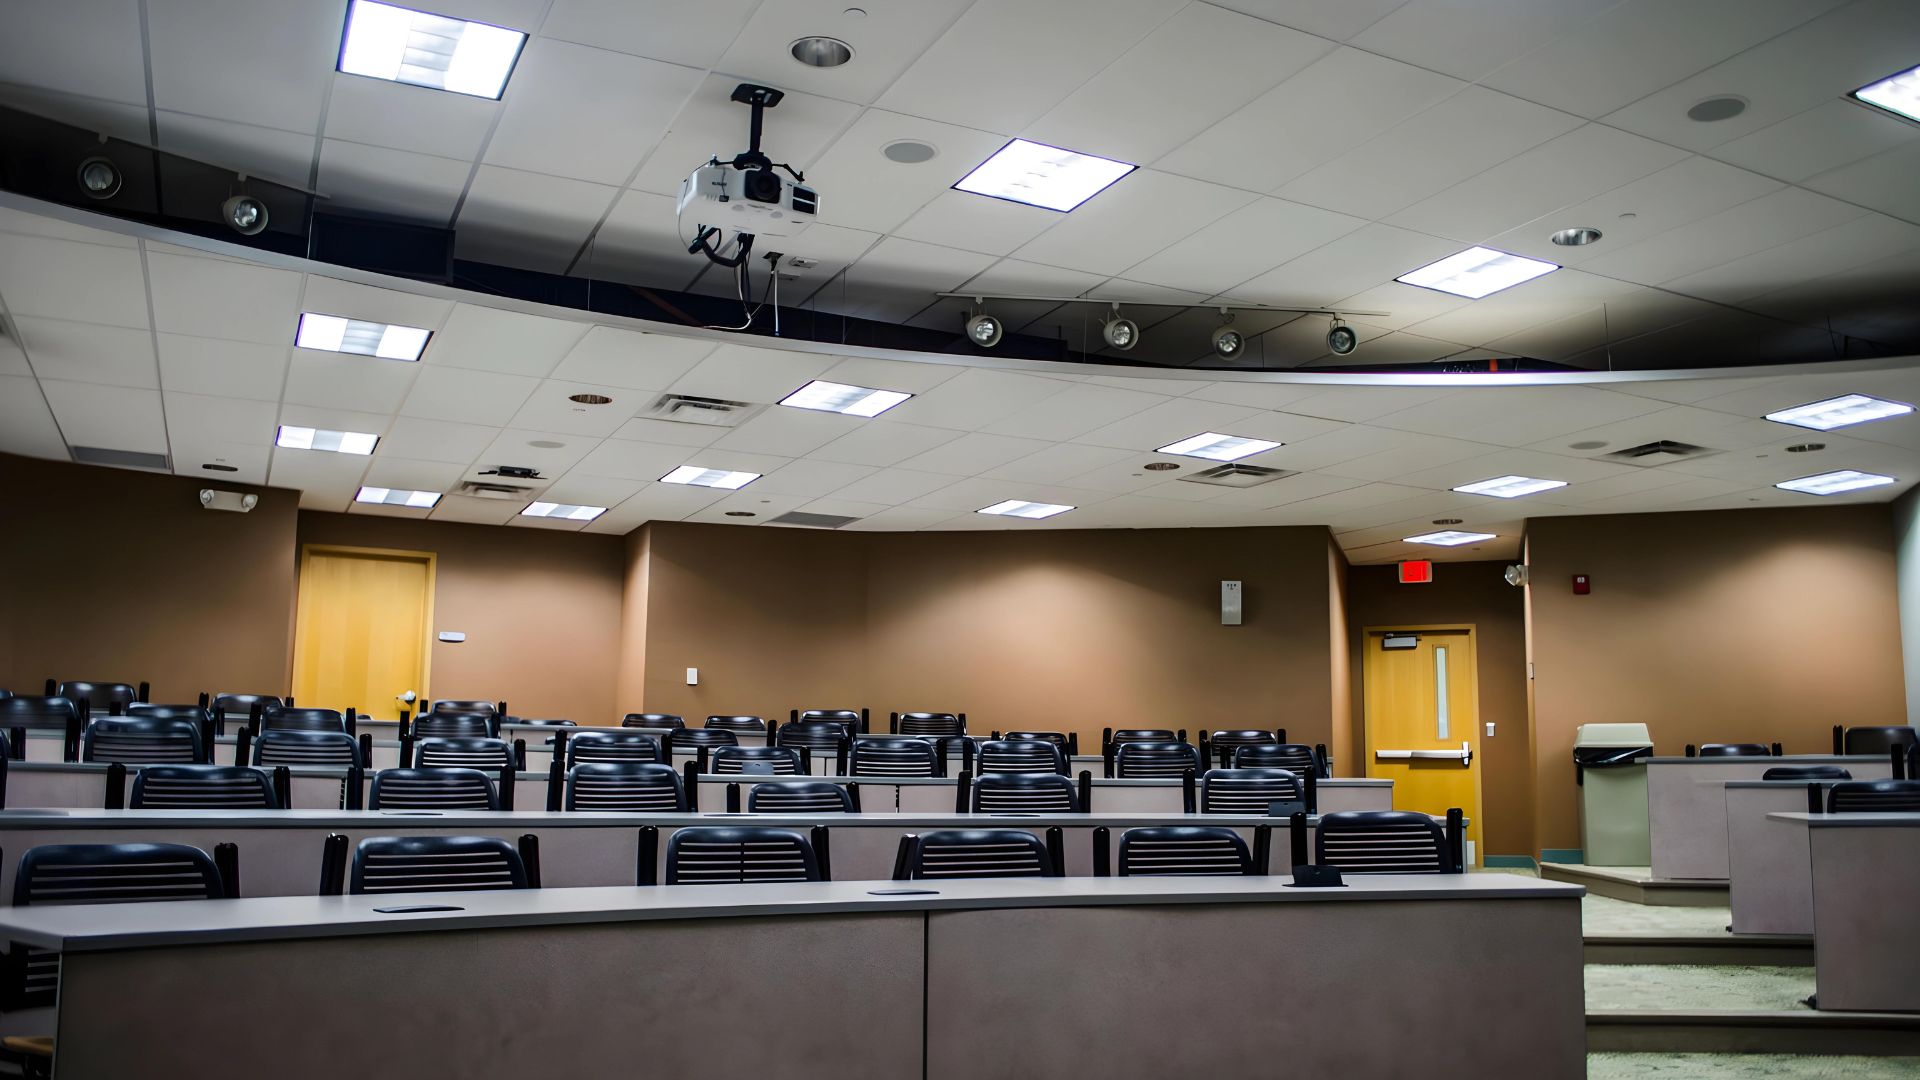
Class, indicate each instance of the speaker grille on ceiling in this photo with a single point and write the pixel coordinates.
(815, 521)
(125, 459)
(1658, 452)
(1235, 475)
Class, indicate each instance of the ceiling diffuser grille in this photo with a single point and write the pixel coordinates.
(125, 459)
(1235, 475)
(1658, 452)
(816, 521)
(693, 409)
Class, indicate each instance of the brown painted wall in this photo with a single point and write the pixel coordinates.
(1728, 626)
(1345, 735)
(123, 576)
(540, 608)
(1049, 629)
(1469, 592)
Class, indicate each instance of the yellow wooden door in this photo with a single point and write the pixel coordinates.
(1423, 721)
(361, 628)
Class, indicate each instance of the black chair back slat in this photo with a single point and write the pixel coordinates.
(893, 755)
(1878, 740)
(432, 789)
(203, 787)
(1248, 791)
(1806, 772)
(1135, 760)
(387, 864)
(312, 749)
(1874, 797)
(783, 760)
(1022, 756)
(694, 738)
(949, 854)
(451, 725)
(1184, 851)
(1381, 842)
(471, 708)
(740, 725)
(935, 724)
(276, 717)
(1296, 758)
(800, 797)
(102, 698)
(623, 787)
(1224, 743)
(1735, 750)
(613, 746)
(35, 713)
(734, 855)
(143, 740)
(653, 720)
(1024, 793)
(441, 753)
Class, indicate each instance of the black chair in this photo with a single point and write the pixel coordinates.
(652, 720)
(1021, 793)
(404, 864)
(739, 725)
(776, 760)
(1874, 797)
(1068, 744)
(34, 713)
(528, 721)
(1136, 760)
(619, 746)
(819, 736)
(947, 854)
(1223, 744)
(171, 712)
(802, 797)
(448, 705)
(1021, 756)
(1297, 758)
(139, 740)
(893, 755)
(1185, 851)
(287, 718)
(315, 749)
(1745, 749)
(1248, 791)
(241, 706)
(694, 738)
(1873, 740)
(1381, 842)
(101, 697)
(432, 789)
(203, 787)
(936, 724)
(740, 854)
(1806, 772)
(620, 787)
(489, 754)
(450, 725)
(853, 718)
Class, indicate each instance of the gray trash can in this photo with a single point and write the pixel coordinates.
(1609, 764)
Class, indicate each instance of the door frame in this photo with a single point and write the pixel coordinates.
(1472, 630)
(432, 560)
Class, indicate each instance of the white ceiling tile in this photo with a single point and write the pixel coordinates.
(63, 279)
(1192, 70)
(334, 419)
(355, 176)
(899, 519)
(1785, 215)
(26, 423)
(264, 64)
(473, 397)
(1828, 136)
(1883, 181)
(1336, 20)
(547, 453)
(1244, 244)
(584, 490)
(551, 409)
(1136, 217)
(1360, 260)
(972, 454)
(632, 360)
(13, 359)
(887, 39)
(388, 471)
(1169, 422)
(27, 224)
(1469, 38)
(860, 187)
(113, 417)
(1059, 462)
(890, 487)
(437, 440)
(633, 460)
(965, 496)
(1073, 411)
(374, 112)
(974, 399)
(1391, 464)
(1534, 463)
(640, 243)
(92, 50)
(897, 278)
(526, 219)
(475, 511)
(1517, 415)
(114, 120)
(681, 33)
(1357, 404)
(747, 373)
(883, 444)
(711, 124)
(216, 298)
(337, 381)
(1337, 103)
(670, 502)
(87, 352)
(669, 432)
(1864, 239)
(1004, 62)
(587, 113)
(808, 478)
(900, 375)
(960, 219)
(1255, 395)
(747, 508)
(269, 153)
(192, 452)
(788, 432)
(486, 339)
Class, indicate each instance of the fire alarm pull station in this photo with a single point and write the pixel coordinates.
(1581, 586)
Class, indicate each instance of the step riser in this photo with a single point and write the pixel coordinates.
(1739, 953)
(1711, 1038)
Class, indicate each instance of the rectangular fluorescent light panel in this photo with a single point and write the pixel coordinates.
(1020, 509)
(1449, 538)
(419, 500)
(841, 398)
(1040, 175)
(1510, 487)
(1897, 94)
(340, 442)
(1833, 483)
(331, 333)
(564, 511)
(713, 478)
(1840, 412)
(1476, 272)
(1217, 447)
(413, 47)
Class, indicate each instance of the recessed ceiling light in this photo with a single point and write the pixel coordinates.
(1160, 466)
(419, 500)
(1833, 483)
(1022, 509)
(1579, 236)
(840, 398)
(821, 52)
(413, 47)
(713, 478)
(1217, 447)
(909, 151)
(1040, 175)
(1476, 272)
(1510, 487)
(565, 511)
(1449, 538)
(331, 333)
(1722, 107)
(340, 442)
(1840, 412)
(590, 399)
(1897, 94)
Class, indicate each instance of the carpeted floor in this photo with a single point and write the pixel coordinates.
(1697, 987)
(1605, 915)
(1748, 1067)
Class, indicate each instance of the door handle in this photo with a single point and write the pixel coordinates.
(1464, 755)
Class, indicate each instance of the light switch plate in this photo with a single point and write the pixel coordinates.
(693, 676)
(1489, 729)
(452, 635)
(1230, 594)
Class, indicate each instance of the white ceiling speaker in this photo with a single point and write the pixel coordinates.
(1341, 339)
(98, 178)
(245, 215)
(984, 330)
(1120, 333)
(1227, 342)
(1517, 575)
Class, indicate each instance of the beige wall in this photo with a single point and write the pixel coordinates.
(1473, 593)
(540, 608)
(1728, 626)
(115, 575)
(1345, 734)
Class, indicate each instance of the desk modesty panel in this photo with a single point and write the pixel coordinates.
(1687, 808)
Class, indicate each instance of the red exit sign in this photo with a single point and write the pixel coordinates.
(1416, 572)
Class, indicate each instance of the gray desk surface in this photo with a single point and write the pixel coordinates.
(495, 820)
(1790, 759)
(129, 926)
(1783, 784)
(1849, 821)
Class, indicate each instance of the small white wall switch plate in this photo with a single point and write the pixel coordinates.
(693, 676)
(1489, 729)
(453, 635)
(1230, 594)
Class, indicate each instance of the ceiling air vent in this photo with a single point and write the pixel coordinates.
(125, 459)
(692, 409)
(482, 489)
(1658, 453)
(814, 521)
(1235, 475)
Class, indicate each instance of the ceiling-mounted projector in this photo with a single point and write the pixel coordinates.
(729, 202)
